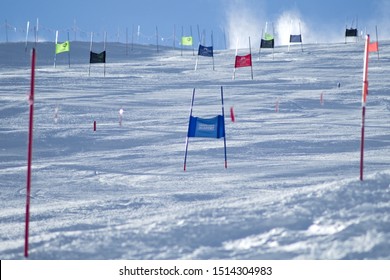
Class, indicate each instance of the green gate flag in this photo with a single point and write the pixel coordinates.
(62, 47)
(186, 41)
(268, 37)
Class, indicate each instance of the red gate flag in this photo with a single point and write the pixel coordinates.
(373, 47)
(243, 61)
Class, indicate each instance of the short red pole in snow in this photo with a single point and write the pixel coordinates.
(232, 114)
(322, 98)
(29, 155)
(277, 105)
(94, 125)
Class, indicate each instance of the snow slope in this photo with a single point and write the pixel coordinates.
(291, 189)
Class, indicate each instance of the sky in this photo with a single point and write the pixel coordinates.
(218, 16)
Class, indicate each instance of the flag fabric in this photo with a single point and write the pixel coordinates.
(373, 47)
(205, 51)
(268, 37)
(97, 57)
(267, 44)
(186, 41)
(243, 61)
(62, 47)
(295, 38)
(207, 128)
(351, 32)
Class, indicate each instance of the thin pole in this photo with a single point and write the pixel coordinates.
(224, 38)
(212, 46)
(364, 100)
(377, 39)
(289, 40)
(199, 38)
(69, 51)
(346, 27)
(187, 139)
(193, 49)
(55, 49)
(300, 34)
(90, 52)
(174, 36)
(197, 59)
(127, 41)
(157, 38)
(250, 53)
(27, 30)
(132, 37)
(224, 132)
(105, 40)
(273, 37)
(234, 71)
(29, 156)
(261, 38)
(36, 32)
(75, 29)
(6, 31)
(263, 32)
(182, 34)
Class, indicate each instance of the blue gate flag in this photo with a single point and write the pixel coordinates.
(267, 44)
(207, 128)
(205, 51)
(351, 32)
(295, 38)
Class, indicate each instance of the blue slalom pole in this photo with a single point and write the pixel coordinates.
(187, 139)
(224, 134)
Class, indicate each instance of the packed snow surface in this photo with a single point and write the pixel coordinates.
(291, 189)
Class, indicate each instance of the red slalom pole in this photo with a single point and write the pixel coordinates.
(29, 156)
(364, 101)
(233, 118)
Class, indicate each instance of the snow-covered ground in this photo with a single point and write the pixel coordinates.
(291, 189)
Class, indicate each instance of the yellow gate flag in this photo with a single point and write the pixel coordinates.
(62, 47)
(186, 41)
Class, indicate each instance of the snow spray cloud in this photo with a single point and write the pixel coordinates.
(290, 23)
(382, 20)
(243, 20)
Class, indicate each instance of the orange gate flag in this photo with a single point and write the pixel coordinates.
(373, 47)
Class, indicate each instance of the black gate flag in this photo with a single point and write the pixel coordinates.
(97, 57)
